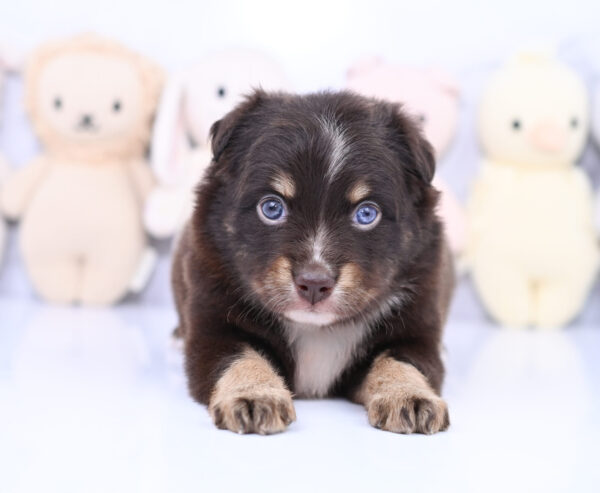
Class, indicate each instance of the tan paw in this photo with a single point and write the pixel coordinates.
(263, 411)
(405, 414)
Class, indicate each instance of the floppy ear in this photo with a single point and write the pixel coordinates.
(416, 153)
(169, 139)
(222, 131)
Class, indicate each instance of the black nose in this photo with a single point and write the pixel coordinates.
(86, 120)
(314, 283)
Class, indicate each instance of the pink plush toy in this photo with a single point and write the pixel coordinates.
(432, 96)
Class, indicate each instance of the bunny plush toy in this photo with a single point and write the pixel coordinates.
(191, 102)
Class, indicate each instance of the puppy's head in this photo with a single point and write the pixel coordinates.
(321, 202)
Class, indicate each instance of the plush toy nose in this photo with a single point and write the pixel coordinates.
(549, 137)
(314, 283)
(86, 120)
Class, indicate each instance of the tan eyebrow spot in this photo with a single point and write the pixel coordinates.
(358, 192)
(284, 185)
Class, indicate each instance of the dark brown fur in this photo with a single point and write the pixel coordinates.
(225, 252)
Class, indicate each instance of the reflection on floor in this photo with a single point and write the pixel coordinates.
(95, 400)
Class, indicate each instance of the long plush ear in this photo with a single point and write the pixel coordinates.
(416, 153)
(222, 131)
(169, 137)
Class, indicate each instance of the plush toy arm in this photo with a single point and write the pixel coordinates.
(166, 211)
(142, 178)
(20, 186)
(453, 215)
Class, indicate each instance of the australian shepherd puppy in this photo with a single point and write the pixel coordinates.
(314, 265)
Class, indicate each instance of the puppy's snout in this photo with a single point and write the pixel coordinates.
(314, 283)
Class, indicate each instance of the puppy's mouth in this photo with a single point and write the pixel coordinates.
(321, 314)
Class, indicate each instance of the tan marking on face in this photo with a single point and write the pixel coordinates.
(276, 285)
(358, 192)
(398, 398)
(351, 294)
(284, 185)
(280, 272)
(350, 277)
(250, 397)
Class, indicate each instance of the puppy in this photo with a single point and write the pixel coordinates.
(314, 265)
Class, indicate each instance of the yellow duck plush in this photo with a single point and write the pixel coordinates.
(531, 244)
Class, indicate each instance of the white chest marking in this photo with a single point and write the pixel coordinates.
(322, 354)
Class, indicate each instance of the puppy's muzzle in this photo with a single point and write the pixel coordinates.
(314, 283)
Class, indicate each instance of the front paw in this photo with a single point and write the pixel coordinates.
(408, 414)
(265, 411)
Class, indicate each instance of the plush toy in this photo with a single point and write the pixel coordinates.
(531, 245)
(596, 133)
(432, 96)
(9, 62)
(3, 174)
(191, 102)
(91, 102)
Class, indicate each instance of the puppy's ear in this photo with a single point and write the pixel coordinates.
(416, 153)
(223, 130)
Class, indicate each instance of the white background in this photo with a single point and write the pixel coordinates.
(94, 400)
(316, 41)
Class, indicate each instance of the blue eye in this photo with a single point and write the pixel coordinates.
(271, 210)
(366, 215)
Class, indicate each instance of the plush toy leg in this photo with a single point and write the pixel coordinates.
(55, 279)
(560, 300)
(166, 211)
(107, 274)
(506, 293)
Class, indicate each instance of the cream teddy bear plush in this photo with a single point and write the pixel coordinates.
(531, 244)
(432, 96)
(191, 102)
(91, 102)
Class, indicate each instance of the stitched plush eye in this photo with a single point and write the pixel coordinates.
(57, 103)
(271, 210)
(574, 122)
(116, 106)
(221, 92)
(366, 215)
(516, 124)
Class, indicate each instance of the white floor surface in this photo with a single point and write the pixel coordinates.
(95, 401)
